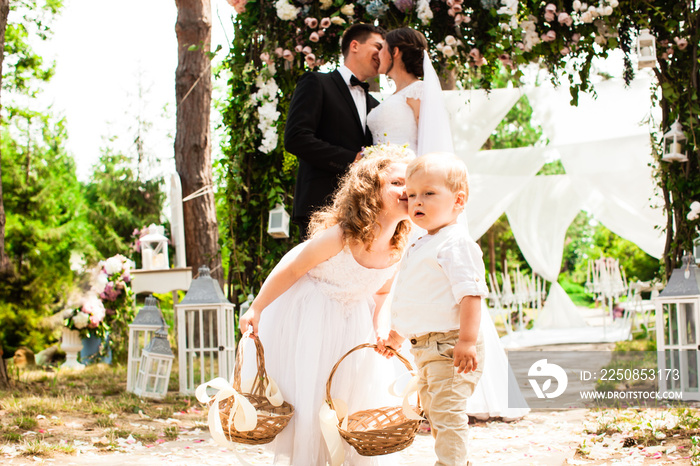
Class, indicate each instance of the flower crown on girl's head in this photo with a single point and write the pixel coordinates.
(388, 150)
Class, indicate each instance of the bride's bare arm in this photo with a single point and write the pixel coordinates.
(381, 318)
(415, 106)
(317, 250)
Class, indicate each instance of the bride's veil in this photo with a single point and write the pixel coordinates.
(434, 133)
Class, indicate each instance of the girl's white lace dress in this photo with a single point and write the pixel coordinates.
(305, 332)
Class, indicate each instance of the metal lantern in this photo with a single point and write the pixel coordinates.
(278, 222)
(156, 364)
(141, 331)
(154, 249)
(646, 50)
(206, 330)
(674, 144)
(696, 249)
(245, 306)
(677, 332)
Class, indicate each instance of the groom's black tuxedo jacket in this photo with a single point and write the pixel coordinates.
(324, 131)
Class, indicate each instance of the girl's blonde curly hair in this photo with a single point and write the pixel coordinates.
(358, 201)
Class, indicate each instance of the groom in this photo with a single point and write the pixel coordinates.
(326, 124)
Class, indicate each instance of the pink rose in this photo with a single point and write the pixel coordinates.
(279, 51)
(306, 50)
(298, 48)
(681, 43)
(314, 37)
(550, 7)
(548, 16)
(310, 59)
(288, 55)
(475, 53)
(325, 22)
(565, 19)
(565, 50)
(320, 33)
(311, 22)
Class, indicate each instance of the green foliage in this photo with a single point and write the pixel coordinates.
(45, 224)
(28, 20)
(120, 203)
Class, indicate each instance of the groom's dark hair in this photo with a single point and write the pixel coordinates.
(359, 32)
(411, 43)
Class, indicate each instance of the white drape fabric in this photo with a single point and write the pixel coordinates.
(475, 114)
(496, 177)
(434, 132)
(539, 218)
(617, 180)
(615, 111)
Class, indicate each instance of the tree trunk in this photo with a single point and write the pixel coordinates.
(4, 261)
(193, 138)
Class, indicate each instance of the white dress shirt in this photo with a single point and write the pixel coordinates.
(358, 94)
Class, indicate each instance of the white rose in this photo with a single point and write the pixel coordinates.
(695, 205)
(113, 265)
(101, 282)
(614, 3)
(450, 40)
(576, 5)
(80, 320)
(326, 4)
(348, 10)
(286, 11)
(337, 20)
(608, 10)
(448, 51)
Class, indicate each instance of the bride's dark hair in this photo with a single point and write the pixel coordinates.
(411, 43)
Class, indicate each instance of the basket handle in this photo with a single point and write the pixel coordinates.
(329, 399)
(258, 387)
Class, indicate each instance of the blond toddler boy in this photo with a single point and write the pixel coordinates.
(437, 301)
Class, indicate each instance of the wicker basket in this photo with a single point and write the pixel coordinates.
(376, 431)
(271, 419)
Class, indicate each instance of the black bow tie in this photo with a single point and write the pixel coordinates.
(356, 82)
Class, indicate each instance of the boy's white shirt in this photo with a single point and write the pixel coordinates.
(436, 272)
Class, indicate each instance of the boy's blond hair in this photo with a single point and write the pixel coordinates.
(445, 164)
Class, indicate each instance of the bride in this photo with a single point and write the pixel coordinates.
(415, 115)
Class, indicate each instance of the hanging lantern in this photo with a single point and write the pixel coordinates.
(155, 367)
(278, 222)
(678, 332)
(141, 332)
(646, 50)
(696, 249)
(206, 331)
(154, 249)
(674, 144)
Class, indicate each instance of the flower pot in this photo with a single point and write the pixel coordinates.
(71, 344)
(90, 352)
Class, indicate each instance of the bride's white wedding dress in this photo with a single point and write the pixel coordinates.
(304, 333)
(393, 122)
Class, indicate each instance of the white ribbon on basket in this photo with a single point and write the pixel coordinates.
(410, 388)
(330, 423)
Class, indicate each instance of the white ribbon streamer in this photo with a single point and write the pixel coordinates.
(410, 389)
(330, 422)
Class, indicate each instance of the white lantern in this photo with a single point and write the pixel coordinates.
(278, 222)
(696, 249)
(674, 144)
(155, 367)
(141, 331)
(154, 249)
(646, 50)
(206, 332)
(678, 332)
